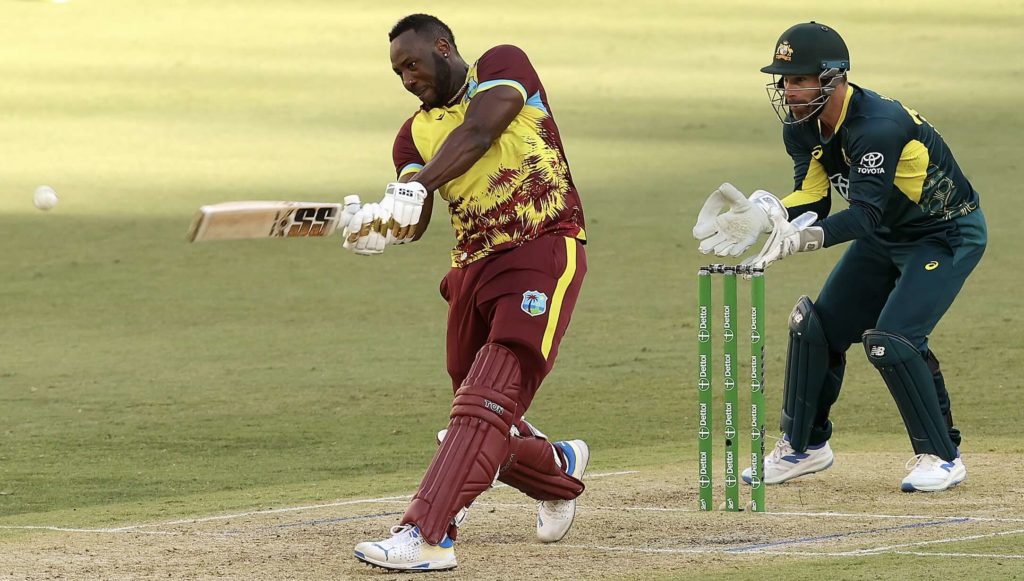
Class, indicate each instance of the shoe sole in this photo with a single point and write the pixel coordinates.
(908, 487)
(787, 479)
(426, 567)
(822, 469)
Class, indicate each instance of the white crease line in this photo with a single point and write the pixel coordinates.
(891, 548)
(208, 518)
(760, 552)
(604, 474)
(502, 485)
(855, 554)
(73, 530)
(816, 514)
(130, 528)
(585, 506)
(695, 551)
(985, 555)
(898, 516)
(107, 531)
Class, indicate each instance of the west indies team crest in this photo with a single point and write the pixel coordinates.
(535, 303)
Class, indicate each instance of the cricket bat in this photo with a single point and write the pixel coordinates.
(266, 219)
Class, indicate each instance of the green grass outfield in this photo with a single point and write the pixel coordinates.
(142, 377)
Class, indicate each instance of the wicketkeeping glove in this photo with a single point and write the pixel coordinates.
(787, 239)
(733, 232)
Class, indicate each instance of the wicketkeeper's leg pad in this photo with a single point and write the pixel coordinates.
(535, 467)
(475, 446)
(807, 364)
(821, 430)
(912, 386)
(943, 395)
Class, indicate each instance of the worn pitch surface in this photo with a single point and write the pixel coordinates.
(629, 523)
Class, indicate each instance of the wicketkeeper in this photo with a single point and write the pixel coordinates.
(915, 230)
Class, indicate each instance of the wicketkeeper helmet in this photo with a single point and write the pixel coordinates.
(808, 48)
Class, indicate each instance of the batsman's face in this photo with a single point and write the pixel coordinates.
(424, 72)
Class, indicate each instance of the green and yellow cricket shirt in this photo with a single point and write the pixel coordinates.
(521, 188)
(887, 161)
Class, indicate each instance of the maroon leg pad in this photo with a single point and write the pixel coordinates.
(531, 468)
(485, 408)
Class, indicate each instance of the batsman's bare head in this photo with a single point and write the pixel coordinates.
(424, 55)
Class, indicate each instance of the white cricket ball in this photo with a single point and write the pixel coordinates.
(44, 198)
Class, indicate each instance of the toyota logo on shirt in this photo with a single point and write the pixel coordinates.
(871, 163)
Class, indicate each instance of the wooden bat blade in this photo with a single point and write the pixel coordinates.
(263, 219)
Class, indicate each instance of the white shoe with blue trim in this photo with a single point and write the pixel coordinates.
(784, 463)
(407, 550)
(554, 517)
(929, 473)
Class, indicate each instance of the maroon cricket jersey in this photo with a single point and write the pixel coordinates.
(521, 189)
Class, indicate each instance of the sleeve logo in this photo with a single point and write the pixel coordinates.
(841, 184)
(871, 163)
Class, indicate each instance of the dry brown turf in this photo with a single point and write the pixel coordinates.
(634, 525)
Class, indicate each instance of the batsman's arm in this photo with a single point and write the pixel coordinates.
(428, 206)
(488, 115)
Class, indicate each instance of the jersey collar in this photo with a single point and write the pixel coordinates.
(842, 114)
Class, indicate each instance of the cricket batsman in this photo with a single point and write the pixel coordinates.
(915, 232)
(485, 139)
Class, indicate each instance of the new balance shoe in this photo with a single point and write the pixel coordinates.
(784, 463)
(554, 517)
(407, 550)
(929, 473)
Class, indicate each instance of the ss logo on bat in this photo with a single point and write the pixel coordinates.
(311, 221)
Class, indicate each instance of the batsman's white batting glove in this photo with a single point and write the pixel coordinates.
(366, 233)
(405, 202)
(733, 232)
(352, 205)
(787, 239)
